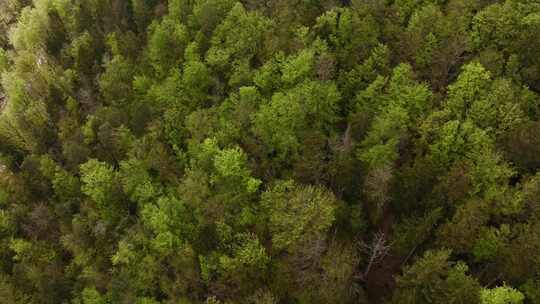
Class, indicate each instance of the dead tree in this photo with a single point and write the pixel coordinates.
(346, 144)
(377, 250)
(307, 257)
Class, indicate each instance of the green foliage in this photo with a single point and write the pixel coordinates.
(490, 243)
(297, 214)
(115, 82)
(137, 182)
(404, 102)
(530, 290)
(485, 102)
(166, 44)
(248, 262)
(283, 121)
(3, 60)
(433, 279)
(207, 15)
(92, 296)
(348, 33)
(238, 37)
(100, 184)
(510, 27)
(98, 181)
(31, 30)
(504, 294)
(256, 151)
(412, 232)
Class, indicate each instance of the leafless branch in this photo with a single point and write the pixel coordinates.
(377, 250)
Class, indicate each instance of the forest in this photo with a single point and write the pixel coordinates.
(269, 152)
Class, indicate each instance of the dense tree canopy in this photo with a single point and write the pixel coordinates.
(269, 151)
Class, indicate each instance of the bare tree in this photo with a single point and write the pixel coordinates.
(346, 141)
(309, 252)
(377, 250)
(307, 258)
